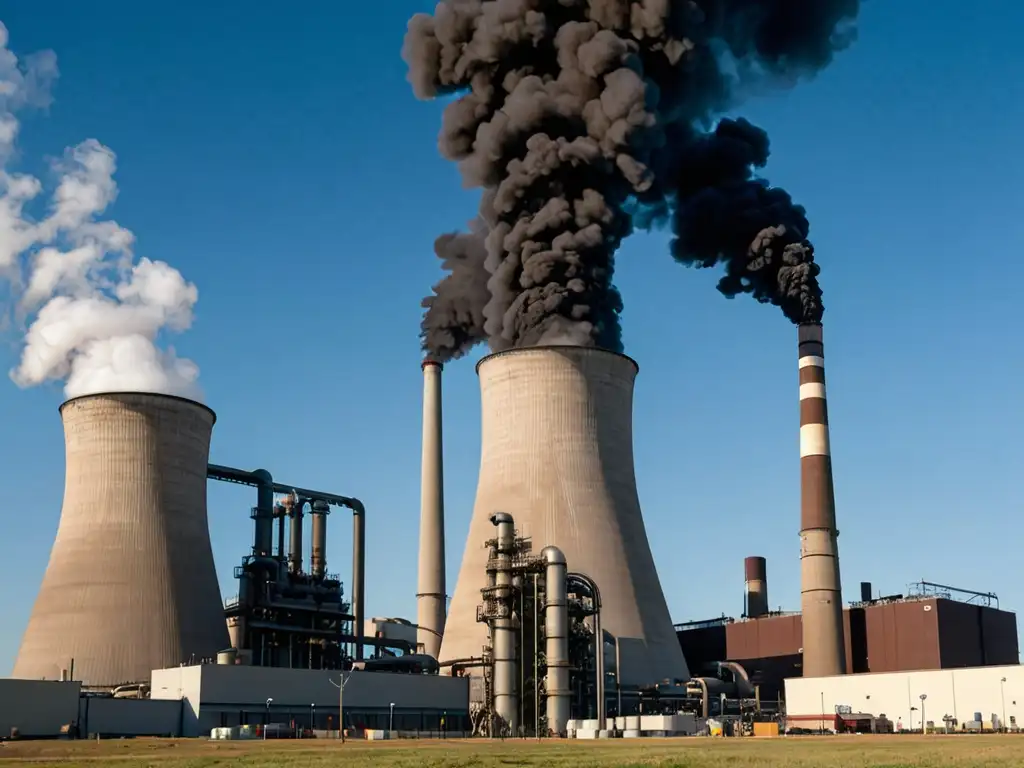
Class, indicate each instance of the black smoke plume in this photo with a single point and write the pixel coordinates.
(574, 114)
(454, 319)
(723, 214)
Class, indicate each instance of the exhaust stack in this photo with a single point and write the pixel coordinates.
(755, 572)
(430, 595)
(131, 585)
(318, 550)
(824, 649)
(557, 455)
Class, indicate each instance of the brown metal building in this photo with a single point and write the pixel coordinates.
(885, 636)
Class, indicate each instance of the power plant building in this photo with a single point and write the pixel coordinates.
(934, 628)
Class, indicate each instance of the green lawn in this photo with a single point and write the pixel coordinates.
(848, 752)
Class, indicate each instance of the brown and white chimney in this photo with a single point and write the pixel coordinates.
(824, 651)
(430, 593)
(755, 576)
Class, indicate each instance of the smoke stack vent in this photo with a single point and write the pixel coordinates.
(865, 591)
(821, 597)
(130, 586)
(755, 574)
(430, 596)
(557, 454)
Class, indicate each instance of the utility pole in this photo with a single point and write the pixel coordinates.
(341, 703)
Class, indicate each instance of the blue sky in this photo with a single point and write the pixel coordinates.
(279, 160)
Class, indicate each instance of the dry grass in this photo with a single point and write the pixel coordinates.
(847, 752)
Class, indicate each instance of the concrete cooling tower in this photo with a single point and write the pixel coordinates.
(557, 454)
(131, 585)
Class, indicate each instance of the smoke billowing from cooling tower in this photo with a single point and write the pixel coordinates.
(574, 114)
(93, 313)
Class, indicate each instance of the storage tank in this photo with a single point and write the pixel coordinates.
(131, 585)
(557, 454)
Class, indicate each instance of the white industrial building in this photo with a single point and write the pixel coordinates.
(221, 696)
(993, 695)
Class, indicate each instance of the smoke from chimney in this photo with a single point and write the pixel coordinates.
(576, 115)
(92, 313)
(454, 319)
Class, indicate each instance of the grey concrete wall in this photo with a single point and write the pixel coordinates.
(302, 687)
(217, 695)
(37, 707)
(130, 717)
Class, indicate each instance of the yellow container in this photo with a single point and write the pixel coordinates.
(766, 729)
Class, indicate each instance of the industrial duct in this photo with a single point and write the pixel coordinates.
(824, 647)
(295, 531)
(131, 585)
(430, 593)
(755, 574)
(556, 635)
(318, 549)
(506, 702)
(557, 454)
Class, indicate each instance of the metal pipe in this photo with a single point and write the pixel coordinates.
(281, 518)
(358, 574)
(430, 593)
(824, 646)
(504, 636)
(295, 524)
(318, 549)
(556, 633)
(261, 478)
(263, 543)
(755, 575)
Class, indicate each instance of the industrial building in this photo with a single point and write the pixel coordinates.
(558, 621)
(972, 699)
(220, 695)
(932, 627)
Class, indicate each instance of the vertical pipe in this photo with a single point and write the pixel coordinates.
(505, 705)
(602, 699)
(865, 591)
(358, 573)
(318, 549)
(282, 516)
(556, 634)
(430, 594)
(263, 543)
(821, 596)
(295, 550)
(755, 574)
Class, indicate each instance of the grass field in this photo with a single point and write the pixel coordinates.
(845, 752)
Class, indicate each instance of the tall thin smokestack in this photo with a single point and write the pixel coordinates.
(430, 595)
(824, 651)
(755, 574)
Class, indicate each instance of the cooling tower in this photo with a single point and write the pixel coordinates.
(824, 647)
(131, 585)
(557, 454)
(430, 592)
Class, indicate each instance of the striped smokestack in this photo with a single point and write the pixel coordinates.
(824, 651)
(755, 575)
(430, 595)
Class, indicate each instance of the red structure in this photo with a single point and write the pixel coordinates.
(929, 630)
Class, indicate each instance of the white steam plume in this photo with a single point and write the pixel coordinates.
(94, 314)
